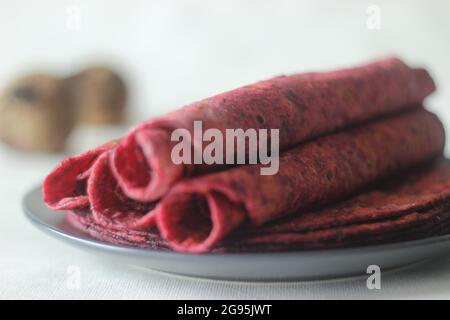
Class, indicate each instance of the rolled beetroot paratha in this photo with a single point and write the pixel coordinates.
(301, 106)
(85, 182)
(111, 191)
(198, 213)
(65, 188)
(407, 206)
(109, 206)
(410, 206)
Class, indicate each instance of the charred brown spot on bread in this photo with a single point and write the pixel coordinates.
(260, 119)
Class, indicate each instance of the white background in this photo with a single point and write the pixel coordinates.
(176, 52)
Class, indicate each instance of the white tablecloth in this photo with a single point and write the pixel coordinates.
(33, 265)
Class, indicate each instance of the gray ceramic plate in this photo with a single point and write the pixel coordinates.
(301, 265)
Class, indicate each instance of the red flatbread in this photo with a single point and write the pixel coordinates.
(65, 187)
(412, 206)
(199, 213)
(301, 106)
(110, 207)
(340, 131)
